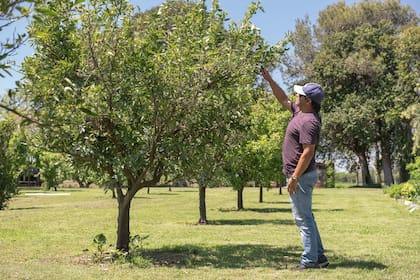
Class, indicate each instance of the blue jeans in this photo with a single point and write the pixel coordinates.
(305, 220)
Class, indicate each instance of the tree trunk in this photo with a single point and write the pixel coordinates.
(202, 198)
(387, 167)
(357, 177)
(240, 198)
(404, 174)
(366, 178)
(261, 193)
(378, 165)
(123, 230)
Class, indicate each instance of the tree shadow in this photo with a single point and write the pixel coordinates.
(328, 210)
(268, 210)
(27, 208)
(259, 210)
(277, 202)
(224, 256)
(351, 263)
(369, 186)
(142, 196)
(240, 256)
(164, 193)
(248, 222)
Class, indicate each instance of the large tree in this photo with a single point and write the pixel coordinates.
(133, 95)
(354, 54)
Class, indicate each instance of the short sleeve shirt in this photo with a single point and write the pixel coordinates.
(303, 128)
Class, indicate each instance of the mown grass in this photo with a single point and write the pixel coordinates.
(367, 236)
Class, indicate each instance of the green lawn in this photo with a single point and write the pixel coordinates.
(366, 234)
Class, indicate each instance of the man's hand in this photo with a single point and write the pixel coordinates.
(265, 74)
(292, 186)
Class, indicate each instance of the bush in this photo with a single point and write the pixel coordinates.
(407, 190)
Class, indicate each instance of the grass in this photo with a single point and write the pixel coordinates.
(366, 234)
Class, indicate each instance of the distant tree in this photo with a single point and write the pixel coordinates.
(52, 168)
(8, 180)
(255, 155)
(82, 173)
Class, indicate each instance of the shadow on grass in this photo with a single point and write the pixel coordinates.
(224, 256)
(370, 186)
(259, 210)
(27, 208)
(277, 202)
(251, 222)
(328, 210)
(163, 193)
(363, 264)
(269, 210)
(243, 256)
(52, 191)
(150, 195)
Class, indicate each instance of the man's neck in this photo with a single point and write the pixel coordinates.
(307, 109)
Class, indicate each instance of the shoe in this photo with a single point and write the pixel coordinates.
(302, 266)
(322, 261)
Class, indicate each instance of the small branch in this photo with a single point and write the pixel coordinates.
(14, 111)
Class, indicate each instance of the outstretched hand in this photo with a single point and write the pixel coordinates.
(265, 73)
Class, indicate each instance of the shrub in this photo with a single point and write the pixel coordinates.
(407, 190)
(133, 258)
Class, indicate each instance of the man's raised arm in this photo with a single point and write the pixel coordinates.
(277, 90)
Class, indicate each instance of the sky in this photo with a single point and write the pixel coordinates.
(278, 18)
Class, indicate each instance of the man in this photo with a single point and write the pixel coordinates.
(300, 141)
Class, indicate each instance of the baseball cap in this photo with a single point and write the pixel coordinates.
(310, 90)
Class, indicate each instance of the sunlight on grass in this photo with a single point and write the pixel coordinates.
(367, 236)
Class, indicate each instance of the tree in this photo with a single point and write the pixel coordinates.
(10, 12)
(132, 95)
(225, 70)
(256, 154)
(8, 182)
(408, 53)
(356, 59)
(52, 169)
(83, 174)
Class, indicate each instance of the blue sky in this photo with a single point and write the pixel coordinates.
(278, 18)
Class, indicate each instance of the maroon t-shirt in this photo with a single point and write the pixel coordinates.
(302, 129)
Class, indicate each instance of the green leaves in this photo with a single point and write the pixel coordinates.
(46, 11)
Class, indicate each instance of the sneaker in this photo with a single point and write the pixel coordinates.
(302, 266)
(322, 261)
